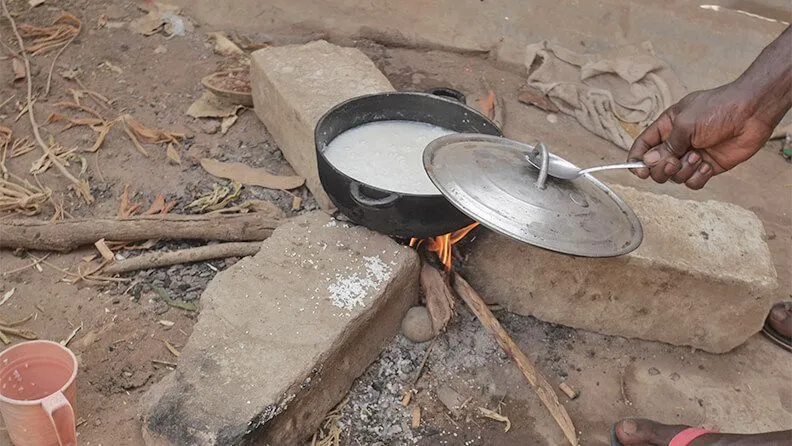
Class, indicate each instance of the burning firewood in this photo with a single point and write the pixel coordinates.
(439, 298)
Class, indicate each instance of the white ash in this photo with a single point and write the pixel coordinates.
(347, 292)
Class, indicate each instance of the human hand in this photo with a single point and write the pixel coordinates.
(705, 134)
(709, 132)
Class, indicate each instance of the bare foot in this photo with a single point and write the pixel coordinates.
(634, 432)
(780, 318)
(646, 432)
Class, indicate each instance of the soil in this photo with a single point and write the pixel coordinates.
(125, 324)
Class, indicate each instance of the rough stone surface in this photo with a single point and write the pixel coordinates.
(294, 85)
(282, 335)
(703, 277)
(417, 325)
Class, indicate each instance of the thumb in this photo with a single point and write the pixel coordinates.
(663, 160)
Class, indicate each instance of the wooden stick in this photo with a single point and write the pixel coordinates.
(66, 235)
(159, 259)
(538, 382)
(439, 298)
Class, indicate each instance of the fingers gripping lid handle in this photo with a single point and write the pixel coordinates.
(61, 415)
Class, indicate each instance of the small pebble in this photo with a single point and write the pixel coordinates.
(653, 371)
(552, 118)
(417, 325)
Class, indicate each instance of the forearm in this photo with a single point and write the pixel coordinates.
(768, 81)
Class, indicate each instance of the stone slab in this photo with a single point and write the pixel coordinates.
(294, 85)
(703, 277)
(282, 335)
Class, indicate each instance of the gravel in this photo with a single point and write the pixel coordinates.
(185, 282)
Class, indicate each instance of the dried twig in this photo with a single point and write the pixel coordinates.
(2, 104)
(81, 186)
(165, 363)
(55, 59)
(172, 349)
(71, 336)
(329, 433)
(29, 265)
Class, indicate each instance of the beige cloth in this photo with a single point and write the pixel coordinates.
(613, 94)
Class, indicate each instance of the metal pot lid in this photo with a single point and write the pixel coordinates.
(490, 179)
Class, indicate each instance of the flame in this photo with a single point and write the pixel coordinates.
(442, 244)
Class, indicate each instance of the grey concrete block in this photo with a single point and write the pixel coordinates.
(282, 335)
(703, 277)
(294, 85)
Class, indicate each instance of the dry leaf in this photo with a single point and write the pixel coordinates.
(137, 131)
(224, 46)
(62, 30)
(244, 174)
(173, 154)
(19, 69)
(296, 203)
(100, 139)
(157, 206)
(147, 25)
(532, 96)
(125, 208)
(227, 123)
(209, 105)
(495, 416)
(34, 3)
(106, 253)
(218, 198)
(158, 16)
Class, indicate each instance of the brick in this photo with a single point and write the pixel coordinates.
(703, 277)
(293, 86)
(282, 335)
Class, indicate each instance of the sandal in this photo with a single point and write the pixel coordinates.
(784, 341)
(683, 438)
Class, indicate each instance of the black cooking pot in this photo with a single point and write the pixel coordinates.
(394, 213)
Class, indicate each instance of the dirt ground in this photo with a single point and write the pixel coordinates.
(155, 79)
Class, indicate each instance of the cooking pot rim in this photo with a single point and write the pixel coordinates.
(434, 97)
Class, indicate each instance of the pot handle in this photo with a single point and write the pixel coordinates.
(448, 93)
(360, 198)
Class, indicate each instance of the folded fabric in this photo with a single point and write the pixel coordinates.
(614, 94)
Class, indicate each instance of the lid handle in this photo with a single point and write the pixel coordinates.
(540, 181)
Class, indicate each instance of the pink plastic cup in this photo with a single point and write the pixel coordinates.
(37, 394)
